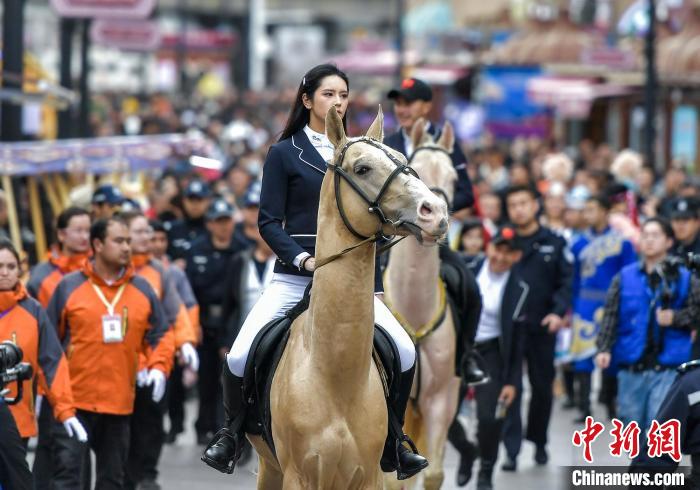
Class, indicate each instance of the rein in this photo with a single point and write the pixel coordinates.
(374, 207)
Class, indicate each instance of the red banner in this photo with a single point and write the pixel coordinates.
(109, 9)
(133, 35)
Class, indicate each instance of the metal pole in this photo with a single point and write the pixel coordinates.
(181, 49)
(400, 11)
(650, 88)
(83, 116)
(256, 32)
(12, 65)
(65, 118)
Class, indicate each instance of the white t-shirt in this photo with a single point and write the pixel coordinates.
(492, 287)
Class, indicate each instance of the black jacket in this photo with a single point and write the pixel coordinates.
(289, 200)
(463, 196)
(207, 270)
(546, 266)
(181, 234)
(681, 250)
(510, 342)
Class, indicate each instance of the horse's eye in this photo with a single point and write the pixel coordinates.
(362, 170)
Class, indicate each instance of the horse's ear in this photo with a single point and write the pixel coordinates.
(334, 128)
(376, 130)
(419, 135)
(447, 138)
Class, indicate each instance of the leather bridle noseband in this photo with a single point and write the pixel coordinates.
(374, 204)
(437, 190)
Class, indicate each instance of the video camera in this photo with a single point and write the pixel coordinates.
(12, 370)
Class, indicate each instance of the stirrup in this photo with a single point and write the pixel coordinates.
(401, 473)
(224, 433)
(405, 438)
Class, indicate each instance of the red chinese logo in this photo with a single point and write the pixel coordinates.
(587, 436)
(665, 439)
(625, 439)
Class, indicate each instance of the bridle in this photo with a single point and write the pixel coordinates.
(437, 190)
(374, 204)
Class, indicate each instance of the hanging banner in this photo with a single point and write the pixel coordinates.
(106, 9)
(97, 155)
(131, 35)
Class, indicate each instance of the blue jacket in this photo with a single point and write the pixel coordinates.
(636, 297)
(289, 199)
(463, 196)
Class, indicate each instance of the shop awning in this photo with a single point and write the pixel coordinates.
(571, 97)
(439, 74)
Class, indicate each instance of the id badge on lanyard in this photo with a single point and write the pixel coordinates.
(113, 325)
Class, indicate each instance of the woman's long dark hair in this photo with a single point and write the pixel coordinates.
(299, 115)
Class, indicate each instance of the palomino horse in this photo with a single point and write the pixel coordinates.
(329, 414)
(416, 295)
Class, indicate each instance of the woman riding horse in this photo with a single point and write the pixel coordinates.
(293, 172)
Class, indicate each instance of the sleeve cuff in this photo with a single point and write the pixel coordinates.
(297, 260)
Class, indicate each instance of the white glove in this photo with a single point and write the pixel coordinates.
(75, 429)
(156, 378)
(37, 406)
(142, 378)
(189, 355)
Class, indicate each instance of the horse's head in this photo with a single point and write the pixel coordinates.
(432, 161)
(376, 190)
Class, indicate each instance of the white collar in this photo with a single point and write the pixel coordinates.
(317, 139)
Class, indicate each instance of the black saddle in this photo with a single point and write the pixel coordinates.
(266, 352)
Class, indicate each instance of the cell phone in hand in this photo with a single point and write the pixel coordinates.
(501, 409)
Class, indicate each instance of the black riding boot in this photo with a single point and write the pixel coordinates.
(407, 462)
(226, 447)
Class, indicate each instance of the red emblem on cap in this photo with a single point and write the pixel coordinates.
(408, 83)
(508, 233)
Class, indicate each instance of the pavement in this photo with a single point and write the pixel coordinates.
(181, 468)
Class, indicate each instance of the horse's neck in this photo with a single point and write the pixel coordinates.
(411, 281)
(340, 325)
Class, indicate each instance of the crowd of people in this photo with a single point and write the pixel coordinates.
(569, 248)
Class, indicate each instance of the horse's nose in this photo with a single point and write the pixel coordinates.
(425, 210)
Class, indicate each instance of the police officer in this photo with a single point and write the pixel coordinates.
(546, 266)
(196, 201)
(682, 402)
(206, 269)
(106, 200)
(686, 226)
(412, 101)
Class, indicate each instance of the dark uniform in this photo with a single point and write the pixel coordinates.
(14, 471)
(546, 266)
(206, 270)
(183, 232)
(682, 403)
(685, 208)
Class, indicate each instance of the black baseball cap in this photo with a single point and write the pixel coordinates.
(197, 189)
(220, 208)
(412, 89)
(685, 208)
(506, 235)
(107, 194)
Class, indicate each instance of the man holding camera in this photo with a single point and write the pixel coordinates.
(649, 312)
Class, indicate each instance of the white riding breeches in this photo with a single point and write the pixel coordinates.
(285, 291)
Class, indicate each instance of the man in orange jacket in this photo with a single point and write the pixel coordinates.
(147, 434)
(73, 234)
(176, 387)
(106, 317)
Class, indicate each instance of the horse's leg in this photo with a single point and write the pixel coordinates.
(438, 412)
(269, 476)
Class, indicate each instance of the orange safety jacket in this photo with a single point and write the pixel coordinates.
(24, 322)
(163, 284)
(44, 277)
(103, 374)
(184, 289)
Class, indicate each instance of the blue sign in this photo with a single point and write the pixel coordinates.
(684, 135)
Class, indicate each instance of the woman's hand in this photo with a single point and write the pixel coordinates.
(310, 264)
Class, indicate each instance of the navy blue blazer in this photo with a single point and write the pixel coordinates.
(289, 199)
(463, 196)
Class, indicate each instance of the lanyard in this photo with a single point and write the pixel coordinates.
(117, 297)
